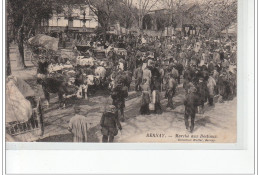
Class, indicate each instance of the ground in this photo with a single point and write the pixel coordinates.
(217, 124)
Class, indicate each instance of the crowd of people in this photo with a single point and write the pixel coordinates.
(205, 67)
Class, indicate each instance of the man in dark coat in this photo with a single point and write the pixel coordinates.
(180, 68)
(119, 93)
(155, 81)
(138, 75)
(110, 124)
(43, 67)
(203, 93)
(211, 66)
(191, 102)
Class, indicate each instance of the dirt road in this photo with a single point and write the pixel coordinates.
(217, 124)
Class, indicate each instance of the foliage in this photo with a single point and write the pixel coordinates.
(29, 13)
(26, 17)
(214, 14)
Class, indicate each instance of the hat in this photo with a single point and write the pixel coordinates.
(192, 89)
(77, 108)
(110, 108)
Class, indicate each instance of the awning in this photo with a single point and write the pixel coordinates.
(44, 41)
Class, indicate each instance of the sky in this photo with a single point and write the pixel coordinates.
(160, 3)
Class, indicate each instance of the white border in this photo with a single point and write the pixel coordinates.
(160, 161)
(243, 73)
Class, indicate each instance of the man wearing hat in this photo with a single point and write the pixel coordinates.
(110, 124)
(78, 126)
(138, 75)
(174, 71)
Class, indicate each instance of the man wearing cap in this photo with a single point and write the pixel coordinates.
(78, 126)
(110, 124)
(191, 102)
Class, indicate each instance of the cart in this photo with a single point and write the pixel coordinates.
(24, 113)
(34, 124)
(42, 46)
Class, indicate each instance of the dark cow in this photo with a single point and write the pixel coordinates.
(59, 86)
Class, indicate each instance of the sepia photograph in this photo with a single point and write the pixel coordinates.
(121, 71)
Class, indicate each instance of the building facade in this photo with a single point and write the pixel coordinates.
(78, 20)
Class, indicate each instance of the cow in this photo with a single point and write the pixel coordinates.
(124, 77)
(87, 84)
(100, 73)
(59, 86)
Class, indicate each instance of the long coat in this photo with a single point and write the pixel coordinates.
(119, 93)
(211, 86)
(203, 91)
(78, 127)
(191, 102)
(145, 99)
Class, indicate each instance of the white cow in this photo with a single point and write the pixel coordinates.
(54, 68)
(80, 60)
(83, 89)
(121, 66)
(101, 72)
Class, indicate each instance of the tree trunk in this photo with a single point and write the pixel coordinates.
(7, 51)
(20, 60)
(7, 41)
(141, 23)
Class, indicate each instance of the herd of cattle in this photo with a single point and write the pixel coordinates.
(83, 75)
(79, 77)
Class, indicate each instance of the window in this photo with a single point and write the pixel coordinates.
(70, 22)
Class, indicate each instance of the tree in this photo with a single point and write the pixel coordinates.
(219, 15)
(103, 10)
(144, 7)
(126, 13)
(7, 38)
(162, 21)
(176, 9)
(147, 22)
(27, 16)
